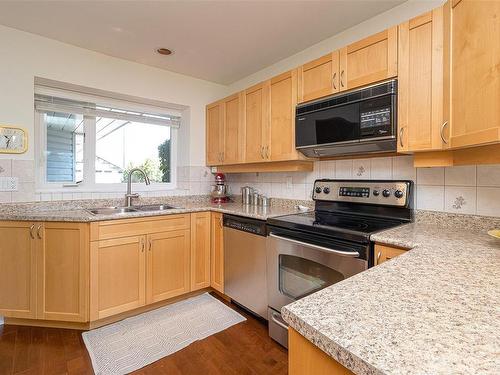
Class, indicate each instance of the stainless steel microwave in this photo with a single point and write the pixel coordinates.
(361, 121)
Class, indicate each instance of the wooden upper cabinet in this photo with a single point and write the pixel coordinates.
(200, 250)
(217, 253)
(283, 95)
(369, 60)
(63, 269)
(17, 270)
(234, 130)
(215, 133)
(256, 123)
(423, 81)
(319, 77)
(475, 72)
(168, 268)
(117, 276)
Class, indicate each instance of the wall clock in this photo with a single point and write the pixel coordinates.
(13, 140)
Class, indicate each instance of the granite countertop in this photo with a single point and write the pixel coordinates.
(77, 211)
(432, 310)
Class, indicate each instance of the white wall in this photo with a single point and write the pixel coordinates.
(371, 26)
(24, 56)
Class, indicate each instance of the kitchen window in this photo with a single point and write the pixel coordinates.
(90, 143)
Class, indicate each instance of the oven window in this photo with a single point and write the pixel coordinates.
(299, 277)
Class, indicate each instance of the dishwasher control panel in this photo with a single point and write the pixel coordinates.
(244, 224)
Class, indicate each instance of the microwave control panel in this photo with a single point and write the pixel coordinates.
(387, 193)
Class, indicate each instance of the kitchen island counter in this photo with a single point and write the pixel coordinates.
(433, 310)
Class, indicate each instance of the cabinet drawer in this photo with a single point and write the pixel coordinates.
(139, 226)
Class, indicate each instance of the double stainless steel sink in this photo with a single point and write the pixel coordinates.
(124, 210)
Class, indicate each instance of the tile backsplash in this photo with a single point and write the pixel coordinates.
(191, 180)
(465, 189)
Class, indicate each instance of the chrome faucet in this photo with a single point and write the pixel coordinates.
(129, 195)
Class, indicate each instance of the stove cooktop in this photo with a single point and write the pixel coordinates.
(335, 225)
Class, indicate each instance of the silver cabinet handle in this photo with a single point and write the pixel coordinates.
(321, 248)
(142, 245)
(262, 152)
(442, 132)
(378, 256)
(150, 244)
(333, 80)
(267, 152)
(342, 78)
(32, 235)
(38, 231)
(273, 318)
(401, 136)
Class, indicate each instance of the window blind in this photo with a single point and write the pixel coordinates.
(120, 110)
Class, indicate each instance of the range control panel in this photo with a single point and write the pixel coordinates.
(383, 192)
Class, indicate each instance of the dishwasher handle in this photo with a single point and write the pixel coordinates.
(352, 254)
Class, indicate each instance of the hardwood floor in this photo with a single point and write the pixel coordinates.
(241, 349)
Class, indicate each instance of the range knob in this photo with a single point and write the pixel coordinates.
(386, 193)
(326, 190)
(376, 193)
(318, 189)
(398, 194)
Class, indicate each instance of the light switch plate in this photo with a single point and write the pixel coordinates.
(9, 183)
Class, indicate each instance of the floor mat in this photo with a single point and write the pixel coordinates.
(130, 344)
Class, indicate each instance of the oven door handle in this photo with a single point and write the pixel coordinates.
(321, 248)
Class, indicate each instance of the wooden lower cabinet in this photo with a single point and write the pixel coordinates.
(18, 270)
(134, 271)
(45, 266)
(304, 358)
(62, 275)
(384, 253)
(168, 265)
(217, 253)
(117, 281)
(200, 250)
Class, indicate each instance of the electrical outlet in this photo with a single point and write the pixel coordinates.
(9, 183)
(288, 181)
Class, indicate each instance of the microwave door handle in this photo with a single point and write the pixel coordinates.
(321, 248)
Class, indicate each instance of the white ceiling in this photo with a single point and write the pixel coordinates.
(220, 41)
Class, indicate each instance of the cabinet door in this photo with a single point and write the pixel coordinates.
(200, 250)
(475, 72)
(422, 77)
(168, 268)
(215, 133)
(17, 270)
(217, 253)
(283, 94)
(117, 276)
(384, 253)
(369, 60)
(319, 77)
(62, 285)
(256, 122)
(234, 130)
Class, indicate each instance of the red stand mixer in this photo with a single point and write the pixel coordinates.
(220, 191)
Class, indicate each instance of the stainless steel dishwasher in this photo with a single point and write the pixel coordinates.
(245, 273)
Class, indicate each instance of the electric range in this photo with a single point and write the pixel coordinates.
(310, 251)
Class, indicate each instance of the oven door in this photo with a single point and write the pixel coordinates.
(296, 269)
